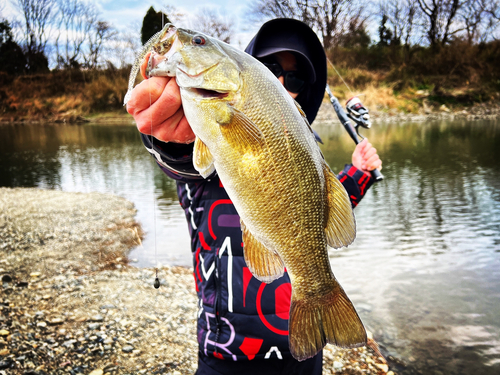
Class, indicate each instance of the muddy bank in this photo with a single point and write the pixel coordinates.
(70, 303)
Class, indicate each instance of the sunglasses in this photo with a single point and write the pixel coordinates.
(292, 81)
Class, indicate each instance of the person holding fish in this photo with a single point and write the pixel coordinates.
(246, 302)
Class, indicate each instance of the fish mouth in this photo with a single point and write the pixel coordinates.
(206, 94)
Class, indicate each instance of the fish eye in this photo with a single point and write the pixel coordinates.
(198, 40)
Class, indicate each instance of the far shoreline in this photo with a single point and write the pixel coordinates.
(481, 111)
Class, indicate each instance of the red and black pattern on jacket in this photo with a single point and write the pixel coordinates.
(239, 317)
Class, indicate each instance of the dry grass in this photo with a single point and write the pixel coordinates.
(63, 94)
(388, 79)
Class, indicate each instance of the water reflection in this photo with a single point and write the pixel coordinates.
(426, 260)
(424, 271)
(100, 158)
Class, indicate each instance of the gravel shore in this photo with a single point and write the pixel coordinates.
(71, 304)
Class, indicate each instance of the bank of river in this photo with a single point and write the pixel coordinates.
(71, 303)
(478, 111)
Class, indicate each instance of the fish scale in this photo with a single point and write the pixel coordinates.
(252, 133)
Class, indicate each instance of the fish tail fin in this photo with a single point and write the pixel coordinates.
(332, 320)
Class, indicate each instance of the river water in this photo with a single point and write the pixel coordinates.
(424, 270)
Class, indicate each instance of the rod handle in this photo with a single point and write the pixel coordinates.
(377, 175)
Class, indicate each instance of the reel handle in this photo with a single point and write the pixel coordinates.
(376, 174)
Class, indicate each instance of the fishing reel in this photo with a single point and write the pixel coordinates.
(358, 113)
(359, 116)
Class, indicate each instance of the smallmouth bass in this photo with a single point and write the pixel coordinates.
(291, 204)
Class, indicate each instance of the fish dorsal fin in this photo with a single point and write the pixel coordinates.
(239, 130)
(265, 264)
(203, 160)
(340, 226)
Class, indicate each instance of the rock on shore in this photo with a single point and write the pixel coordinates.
(71, 304)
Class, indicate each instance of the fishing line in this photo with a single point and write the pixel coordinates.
(157, 281)
(333, 66)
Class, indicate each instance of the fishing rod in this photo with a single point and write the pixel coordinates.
(359, 115)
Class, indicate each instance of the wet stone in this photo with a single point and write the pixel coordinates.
(128, 349)
(69, 343)
(94, 326)
(97, 318)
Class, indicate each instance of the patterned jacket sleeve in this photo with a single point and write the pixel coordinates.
(175, 159)
(355, 182)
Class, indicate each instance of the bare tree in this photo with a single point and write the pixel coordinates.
(333, 19)
(402, 17)
(174, 15)
(482, 19)
(213, 23)
(38, 15)
(74, 23)
(100, 33)
(441, 15)
(493, 9)
(285, 9)
(336, 19)
(125, 46)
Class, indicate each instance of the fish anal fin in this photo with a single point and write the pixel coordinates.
(203, 160)
(330, 319)
(241, 131)
(265, 264)
(340, 225)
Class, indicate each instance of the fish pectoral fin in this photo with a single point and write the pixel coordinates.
(330, 318)
(340, 228)
(203, 160)
(265, 264)
(240, 131)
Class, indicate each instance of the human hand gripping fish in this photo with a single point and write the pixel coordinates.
(291, 205)
(157, 108)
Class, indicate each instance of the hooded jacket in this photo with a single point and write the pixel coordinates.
(285, 34)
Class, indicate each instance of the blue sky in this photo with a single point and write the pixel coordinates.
(128, 14)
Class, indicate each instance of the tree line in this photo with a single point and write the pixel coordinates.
(401, 22)
(69, 30)
(72, 34)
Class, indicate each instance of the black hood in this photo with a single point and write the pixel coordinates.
(286, 34)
